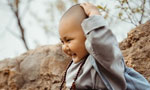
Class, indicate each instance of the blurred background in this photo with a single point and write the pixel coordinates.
(27, 24)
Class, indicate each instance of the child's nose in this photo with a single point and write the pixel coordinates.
(65, 48)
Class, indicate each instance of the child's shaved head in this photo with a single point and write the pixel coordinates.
(71, 33)
(76, 12)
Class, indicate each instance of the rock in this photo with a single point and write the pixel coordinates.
(136, 49)
(39, 69)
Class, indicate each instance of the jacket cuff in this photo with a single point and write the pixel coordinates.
(92, 23)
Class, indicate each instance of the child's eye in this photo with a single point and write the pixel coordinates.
(62, 41)
(68, 40)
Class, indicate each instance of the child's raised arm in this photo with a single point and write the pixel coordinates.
(103, 46)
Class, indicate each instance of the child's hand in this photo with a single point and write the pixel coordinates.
(90, 9)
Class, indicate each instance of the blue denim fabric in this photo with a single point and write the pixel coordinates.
(135, 81)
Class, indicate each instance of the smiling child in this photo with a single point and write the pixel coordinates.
(97, 62)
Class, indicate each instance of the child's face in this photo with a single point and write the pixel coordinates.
(73, 39)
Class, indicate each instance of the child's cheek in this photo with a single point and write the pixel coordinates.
(73, 46)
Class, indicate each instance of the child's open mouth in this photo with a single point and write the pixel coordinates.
(73, 55)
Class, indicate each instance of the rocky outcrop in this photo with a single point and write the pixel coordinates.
(43, 68)
(39, 69)
(136, 49)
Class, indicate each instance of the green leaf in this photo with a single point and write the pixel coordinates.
(100, 7)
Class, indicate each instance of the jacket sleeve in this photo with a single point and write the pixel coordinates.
(103, 46)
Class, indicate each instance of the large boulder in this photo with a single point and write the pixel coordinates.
(39, 69)
(136, 49)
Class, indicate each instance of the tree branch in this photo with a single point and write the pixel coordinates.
(128, 15)
(16, 13)
(142, 14)
(132, 13)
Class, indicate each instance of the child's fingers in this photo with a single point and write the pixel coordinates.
(85, 6)
(87, 3)
(83, 3)
(90, 9)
